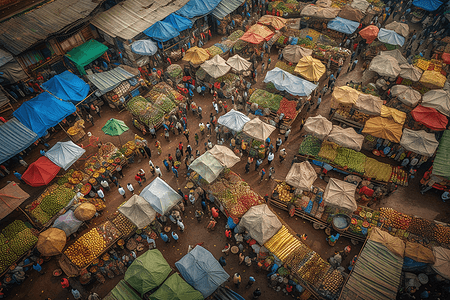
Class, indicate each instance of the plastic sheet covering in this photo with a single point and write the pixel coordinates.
(122, 291)
(138, 210)
(394, 244)
(5, 57)
(195, 8)
(430, 118)
(438, 99)
(419, 253)
(397, 54)
(385, 65)
(14, 138)
(178, 22)
(225, 7)
(428, 5)
(261, 223)
(384, 128)
(341, 194)
(441, 165)
(369, 33)
(234, 120)
(318, 126)
(343, 25)
(162, 31)
(65, 154)
(350, 13)
(68, 223)
(284, 81)
(301, 175)
(390, 37)
(420, 142)
(410, 72)
(293, 53)
(347, 138)
(274, 21)
(400, 28)
(160, 196)
(202, 271)
(406, 94)
(144, 47)
(442, 263)
(369, 104)
(67, 86)
(196, 55)
(41, 172)
(207, 166)
(175, 288)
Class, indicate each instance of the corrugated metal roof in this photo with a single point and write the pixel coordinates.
(131, 17)
(107, 81)
(225, 7)
(14, 138)
(18, 34)
(3, 99)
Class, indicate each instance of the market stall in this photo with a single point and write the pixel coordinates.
(397, 54)
(67, 223)
(51, 242)
(343, 25)
(276, 22)
(41, 172)
(65, 154)
(399, 27)
(347, 137)
(385, 65)
(385, 128)
(257, 129)
(224, 155)
(429, 117)
(419, 142)
(265, 99)
(233, 120)
(207, 166)
(160, 196)
(301, 176)
(318, 126)
(196, 55)
(390, 37)
(293, 53)
(284, 81)
(238, 64)
(340, 194)
(215, 67)
(67, 87)
(261, 223)
(85, 211)
(410, 72)
(441, 162)
(11, 196)
(310, 68)
(202, 270)
(369, 104)
(177, 289)
(145, 112)
(122, 291)
(138, 211)
(406, 94)
(438, 99)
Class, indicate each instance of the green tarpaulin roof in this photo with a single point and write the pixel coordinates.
(148, 271)
(122, 292)
(86, 53)
(175, 288)
(441, 166)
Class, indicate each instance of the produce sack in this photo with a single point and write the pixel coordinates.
(394, 244)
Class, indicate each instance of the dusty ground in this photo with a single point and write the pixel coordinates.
(406, 199)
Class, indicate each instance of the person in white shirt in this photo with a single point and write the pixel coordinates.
(121, 191)
(158, 171)
(105, 184)
(270, 157)
(130, 187)
(150, 163)
(100, 194)
(180, 225)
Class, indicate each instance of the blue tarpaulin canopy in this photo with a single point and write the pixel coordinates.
(178, 22)
(42, 112)
(343, 25)
(284, 81)
(390, 37)
(428, 5)
(67, 87)
(161, 31)
(201, 270)
(144, 47)
(14, 138)
(195, 8)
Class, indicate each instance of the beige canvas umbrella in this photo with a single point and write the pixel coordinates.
(410, 72)
(420, 142)
(344, 95)
(341, 194)
(301, 175)
(384, 128)
(293, 53)
(369, 104)
(51, 242)
(318, 126)
(225, 155)
(442, 261)
(400, 28)
(362, 5)
(347, 137)
(238, 64)
(438, 99)
(216, 67)
(85, 211)
(385, 65)
(406, 94)
(314, 11)
(258, 130)
(261, 223)
(397, 55)
(139, 211)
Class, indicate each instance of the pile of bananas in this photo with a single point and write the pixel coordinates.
(283, 243)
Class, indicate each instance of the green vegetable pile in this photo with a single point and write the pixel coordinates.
(351, 159)
(328, 151)
(266, 100)
(236, 35)
(175, 72)
(164, 103)
(213, 51)
(304, 42)
(200, 74)
(229, 78)
(310, 146)
(7, 257)
(57, 200)
(24, 241)
(285, 67)
(13, 229)
(65, 178)
(146, 112)
(39, 215)
(240, 44)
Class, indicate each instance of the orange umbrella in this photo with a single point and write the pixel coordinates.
(262, 31)
(369, 33)
(252, 38)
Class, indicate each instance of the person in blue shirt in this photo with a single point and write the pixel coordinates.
(18, 175)
(38, 268)
(251, 281)
(164, 237)
(166, 164)
(175, 171)
(175, 236)
(222, 261)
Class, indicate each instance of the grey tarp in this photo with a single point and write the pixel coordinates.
(318, 126)
(14, 138)
(237, 63)
(67, 222)
(376, 274)
(11, 196)
(350, 13)
(293, 53)
(406, 94)
(397, 55)
(362, 5)
(400, 28)
(410, 72)
(438, 99)
(385, 65)
(258, 130)
(341, 194)
(5, 57)
(160, 196)
(138, 210)
(13, 72)
(65, 154)
(442, 261)
(369, 104)
(261, 223)
(233, 120)
(207, 166)
(225, 155)
(109, 80)
(3, 99)
(301, 175)
(320, 12)
(215, 67)
(225, 7)
(347, 137)
(420, 142)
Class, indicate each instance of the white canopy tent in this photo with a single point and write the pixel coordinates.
(340, 193)
(293, 53)
(285, 81)
(390, 37)
(406, 94)
(234, 120)
(318, 126)
(216, 67)
(369, 104)
(258, 130)
(65, 154)
(207, 166)
(385, 65)
(238, 64)
(419, 142)
(438, 99)
(301, 175)
(160, 196)
(138, 210)
(347, 137)
(395, 54)
(410, 72)
(225, 155)
(261, 223)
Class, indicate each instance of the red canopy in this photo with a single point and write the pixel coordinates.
(369, 33)
(252, 38)
(429, 117)
(41, 172)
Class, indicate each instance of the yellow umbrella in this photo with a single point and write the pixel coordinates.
(196, 55)
(51, 242)
(384, 128)
(85, 211)
(391, 113)
(274, 21)
(344, 95)
(433, 79)
(310, 68)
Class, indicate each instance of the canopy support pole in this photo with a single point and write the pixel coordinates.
(85, 98)
(28, 217)
(66, 132)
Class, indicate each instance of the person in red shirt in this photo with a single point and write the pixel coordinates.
(65, 283)
(180, 146)
(138, 179)
(170, 158)
(215, 212)
(228, 233)
(366, 191)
